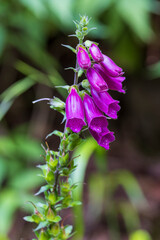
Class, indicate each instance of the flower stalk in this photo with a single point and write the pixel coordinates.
(82, 110)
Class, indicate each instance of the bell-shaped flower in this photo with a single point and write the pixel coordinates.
(96, 80)
(83, 58)
(114, 83)
(106, 103)
(95, 118)
(74, 111)
(96, 53)
(104, 138)
(110, 67)
(97, 123)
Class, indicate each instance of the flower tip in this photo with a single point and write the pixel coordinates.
(83, 58)
(96, 53)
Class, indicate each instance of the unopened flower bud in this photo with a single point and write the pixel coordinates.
(110, 67)
(96, 53)
(114, 83)
(96, 81)
(83, 58)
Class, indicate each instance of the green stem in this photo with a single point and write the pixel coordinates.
(76, 74)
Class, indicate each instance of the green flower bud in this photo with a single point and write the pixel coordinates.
(43, 235)
(64, 160)
(52, 198)
(55, 230)
(50, 178)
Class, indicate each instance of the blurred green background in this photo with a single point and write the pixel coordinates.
(122, 191)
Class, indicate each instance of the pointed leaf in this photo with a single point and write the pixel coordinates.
(69, 47)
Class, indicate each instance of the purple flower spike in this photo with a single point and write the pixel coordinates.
(104, 138)
(106, 103)
(96, 53)
(96, 80)
(111, 68)
(74, 111)
(83, 58)
(95, 118)
(114, 83)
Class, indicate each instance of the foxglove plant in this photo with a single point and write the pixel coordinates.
(87, 106)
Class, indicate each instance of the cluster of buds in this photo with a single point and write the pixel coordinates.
(94, 104)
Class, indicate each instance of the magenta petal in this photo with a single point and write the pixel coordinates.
(114, 83)
(75, 124)
(95, 118)
(83, 58)
(99, 124)
(105, 139)
(96, 80)
(74, 111)
(110, 67)
(106, 103)
(96, 53)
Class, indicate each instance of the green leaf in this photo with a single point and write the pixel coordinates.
(4, 107)
(9, 95)
(85, 151)
(69, 47)
(41, 225)
(64, 87)
(43, 189)
(16, 89)
(68, 229)
(130, 185)
(55, 132)
(57, 104)
(28, 219)
(71, 68)
(57, 219)
(80, 72)
(72, 145)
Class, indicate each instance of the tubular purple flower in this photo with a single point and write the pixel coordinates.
(83, 58)
(114, 83)
(106, 103)
(96, 80)
(74, 111)
(104, 138)
(95, 118)
(96, 53)
(110, 67)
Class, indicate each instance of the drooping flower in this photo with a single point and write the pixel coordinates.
(114, 83)
(83, 58)
(97, 123)
(96, 80)
(95, 118)
(106, 103)
(74, 111)
(103, 138)
(96, 53)
(110, 67)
